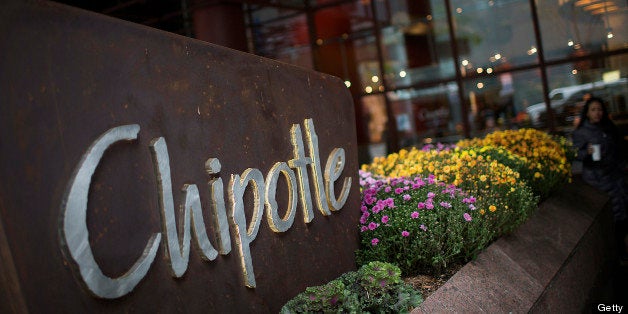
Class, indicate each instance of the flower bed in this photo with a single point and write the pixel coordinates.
(427, 209)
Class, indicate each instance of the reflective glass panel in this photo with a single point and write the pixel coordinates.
(571, 84)
(281, 35)
(427, 115)
(572, 28)
(502, 101)
(495, 34)
(416, 43)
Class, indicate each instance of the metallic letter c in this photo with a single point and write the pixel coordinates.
(74, 217)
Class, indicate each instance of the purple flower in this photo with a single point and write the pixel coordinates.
(364, 208)
(369, 199)
(372, 226)
(471, 207)
(363, 219)
(387, 189)
(374, 241)
(419, 181)
(398, 191)
(445, 204)
(405, 233)
(423, 227)
(431, 179)
(385, 219)
(421, 205)
(429, 205)
(430, 195)
(364, 228)
(467, 217)
(414, 215)
(406, 197)
(390, 202)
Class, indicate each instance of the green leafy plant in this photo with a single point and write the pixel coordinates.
(375, 288)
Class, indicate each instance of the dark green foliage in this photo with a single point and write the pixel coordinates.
(375, 288)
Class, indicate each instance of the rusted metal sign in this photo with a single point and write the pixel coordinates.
(142, 171)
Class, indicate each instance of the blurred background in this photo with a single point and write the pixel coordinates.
(425, 71)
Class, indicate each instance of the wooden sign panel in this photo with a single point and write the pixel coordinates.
(143, 171)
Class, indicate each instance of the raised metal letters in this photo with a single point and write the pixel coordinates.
(275, 222)
(243, 235)
(333, 169)
(178, 242)
(220, 224)
(179, 254)
(76, 235)
(300, 163)
(319, 188)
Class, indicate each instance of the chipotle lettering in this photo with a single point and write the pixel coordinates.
(75, 235)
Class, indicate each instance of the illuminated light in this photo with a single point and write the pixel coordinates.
(609, 35)
(600, 5)
(570, 43)
(319, 41)
(489, 70)
(429, 17)
(480, 70)
(605, 10)
(480, 85)
(348, 83)
(574, 71)
(381, 88)
(459, 10)
(498, 56)
(611, 76)
(491, 3)
(465, 62)
(580, 3)
(368, 89)
(402, 73)
(532, 51)
(375, 79)
(428, 140)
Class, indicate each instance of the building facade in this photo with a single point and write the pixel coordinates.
(426, 71)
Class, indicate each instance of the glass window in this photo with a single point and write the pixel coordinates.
(416, 43)
(427, 115)
(494, 34)
(281, 35)
(578, 27)
(571, 84)
(502, 101)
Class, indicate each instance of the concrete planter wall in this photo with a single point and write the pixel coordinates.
(558, 261)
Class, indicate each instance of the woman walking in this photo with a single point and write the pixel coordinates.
(600, 144)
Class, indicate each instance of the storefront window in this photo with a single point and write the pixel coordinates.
(494, 35)
(282, 35)
(571, 87)
(427, 115)
(416, 43)
(502, 101)
(573, 28)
